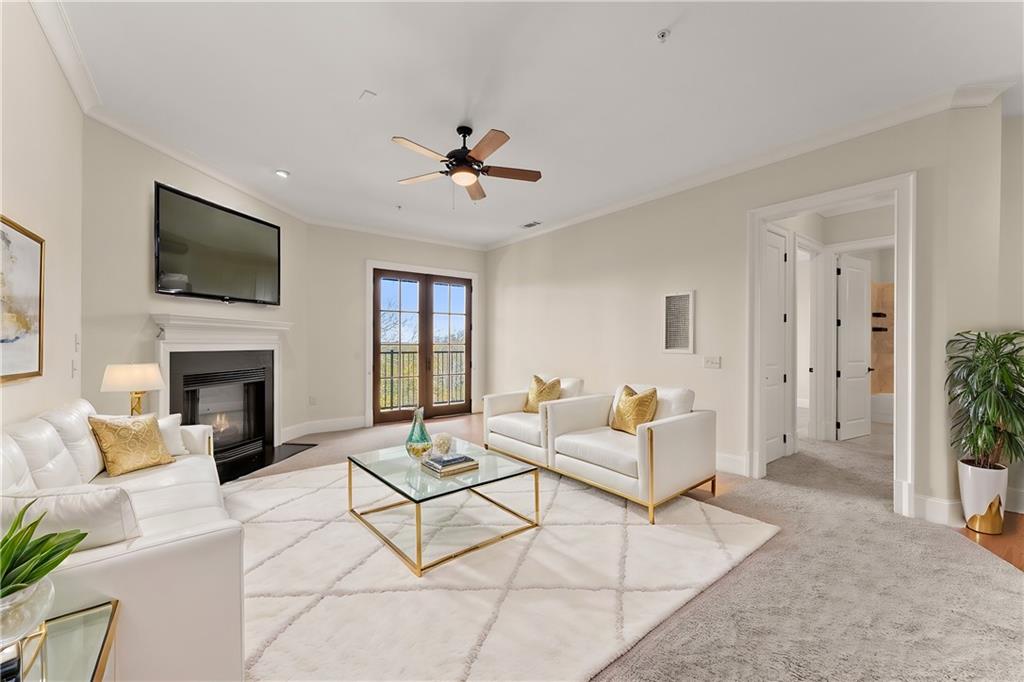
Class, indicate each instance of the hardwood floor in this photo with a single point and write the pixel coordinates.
(1008, 546)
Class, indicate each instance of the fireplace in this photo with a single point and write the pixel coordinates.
(232, 391)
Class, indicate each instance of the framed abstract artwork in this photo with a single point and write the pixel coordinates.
(21, 302)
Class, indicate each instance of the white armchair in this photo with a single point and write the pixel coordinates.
(669, 455)
(508, 429)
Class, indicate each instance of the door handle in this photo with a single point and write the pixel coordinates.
(870, 370)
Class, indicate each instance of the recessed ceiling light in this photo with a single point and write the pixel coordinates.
(282, 173)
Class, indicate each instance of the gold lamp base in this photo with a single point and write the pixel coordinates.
(136, 402)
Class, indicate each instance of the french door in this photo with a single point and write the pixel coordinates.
(422, 337)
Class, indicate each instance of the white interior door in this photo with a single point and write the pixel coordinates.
(773, 345)
(853, 347)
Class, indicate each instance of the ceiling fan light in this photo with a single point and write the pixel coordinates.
(464, 176)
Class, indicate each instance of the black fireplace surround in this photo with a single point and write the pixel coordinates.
(232, 391)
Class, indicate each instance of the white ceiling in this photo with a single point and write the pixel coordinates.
(587, 94)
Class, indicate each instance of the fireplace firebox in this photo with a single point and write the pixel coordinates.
(233, 392)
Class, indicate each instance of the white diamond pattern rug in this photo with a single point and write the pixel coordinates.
(325, 600)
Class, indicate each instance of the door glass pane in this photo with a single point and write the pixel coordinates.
(410, 328)
(399, 352)
(458, 359)
(440, 328)
(389, 328)
(458, 389)
(458, 298)
(389, 294)
(441, 298)
(458, 328)
(410, 296)
(387, 395)
(440, 390)
(410, 365)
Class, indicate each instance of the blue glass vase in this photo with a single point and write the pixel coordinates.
(418, 444)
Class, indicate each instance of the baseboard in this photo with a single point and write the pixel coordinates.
(731, 464)
(938, 510)
(289, 433)
(1015, 500)
(882, 407)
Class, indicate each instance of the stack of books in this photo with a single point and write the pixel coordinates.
(446, 465)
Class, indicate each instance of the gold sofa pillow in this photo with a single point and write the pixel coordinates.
(542, 392)
(129, 443)
(634, 409)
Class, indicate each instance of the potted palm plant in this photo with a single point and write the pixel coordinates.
(986, 389)
(25, 561)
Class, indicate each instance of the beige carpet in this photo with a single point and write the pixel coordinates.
(325, 600)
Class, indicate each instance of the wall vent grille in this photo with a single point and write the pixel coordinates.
(679, 322)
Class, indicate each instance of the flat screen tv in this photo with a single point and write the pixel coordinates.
(208, 251)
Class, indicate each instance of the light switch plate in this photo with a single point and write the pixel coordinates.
(712, 362)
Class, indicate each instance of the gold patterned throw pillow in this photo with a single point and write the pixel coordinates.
(634, 409)
(129, 443)
(541, 391)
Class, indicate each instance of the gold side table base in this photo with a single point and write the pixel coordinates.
(416, 564)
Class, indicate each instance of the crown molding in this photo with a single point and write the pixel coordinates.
(980, 95)
(57, 29)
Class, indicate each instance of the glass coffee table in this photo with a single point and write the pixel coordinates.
(404, 475)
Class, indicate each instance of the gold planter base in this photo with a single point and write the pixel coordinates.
(991, 522)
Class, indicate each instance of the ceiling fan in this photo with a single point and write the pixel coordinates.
(465, 166)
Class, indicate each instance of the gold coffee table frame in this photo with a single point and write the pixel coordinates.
(415, 564)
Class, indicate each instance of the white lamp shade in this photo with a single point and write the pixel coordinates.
(138, 377)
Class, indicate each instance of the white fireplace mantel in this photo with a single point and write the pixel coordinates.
(191, 333)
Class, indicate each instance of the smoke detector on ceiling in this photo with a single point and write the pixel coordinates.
(530, 225)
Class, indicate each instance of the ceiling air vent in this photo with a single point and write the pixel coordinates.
(679, 322)
(530, 225)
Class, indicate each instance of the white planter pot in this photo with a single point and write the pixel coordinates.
(983, 495)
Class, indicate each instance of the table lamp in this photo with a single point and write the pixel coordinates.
(135, 379)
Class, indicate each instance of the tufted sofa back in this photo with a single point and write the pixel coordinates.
(571, 386)
(671, 401)
(71, 423)
(53, 450)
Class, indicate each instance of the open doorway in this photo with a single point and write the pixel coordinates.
(841, 343)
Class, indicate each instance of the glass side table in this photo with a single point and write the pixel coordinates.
(74, 647)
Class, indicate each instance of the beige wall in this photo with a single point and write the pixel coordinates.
(322, 289)
(337, 265)
(42, 190)
(117, 251)
(584, 300)
(866, 224)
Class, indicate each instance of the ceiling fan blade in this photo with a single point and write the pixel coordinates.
(476, 191)
(421, 178)
(511, 173)
(418, 148)
(488, 144)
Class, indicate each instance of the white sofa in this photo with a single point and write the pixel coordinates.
(508, 429)
(174, 563)
(670, 455)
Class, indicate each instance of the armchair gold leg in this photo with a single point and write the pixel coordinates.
(350, 485)
(650, 473)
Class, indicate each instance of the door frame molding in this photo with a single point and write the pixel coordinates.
(902, 189)
(476, 347)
